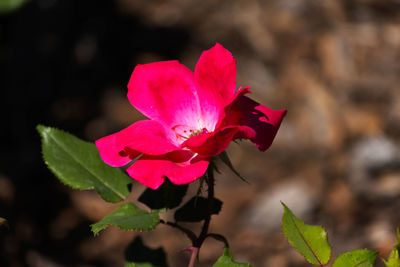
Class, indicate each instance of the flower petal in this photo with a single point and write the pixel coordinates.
(146, 136)
(151, 171)
(165, 91)
(150, 137)
(259, 123)
(215, 75)
(212, 144)
(216, 72)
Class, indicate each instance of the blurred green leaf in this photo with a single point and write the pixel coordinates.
(309, 240)
(78, 164)
(7, 6)
(226, 260)
(168, 195)
(225, 159)
(132, 264)
(196, 209)
(3, 222)
(356, 258)
(128, 217)
(139, 255)
(394, 259)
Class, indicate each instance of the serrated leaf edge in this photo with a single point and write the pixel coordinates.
(60, 176)
(146, 229)
(154, 223)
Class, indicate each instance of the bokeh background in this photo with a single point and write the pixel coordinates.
(334, 64)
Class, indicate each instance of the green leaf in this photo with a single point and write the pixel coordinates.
(78, 164)
(195, 209)
(394, 258)
(356, 258)
(225, 159)
(168, 195)
(226, 260)
(309, 240)
(139, 255)
(128, 217)
(7, 6)
(3, 222)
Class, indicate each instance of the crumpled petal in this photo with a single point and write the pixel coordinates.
(259, 123)
(165, 91)
(215, 76)
(147, 136)
(151, 171)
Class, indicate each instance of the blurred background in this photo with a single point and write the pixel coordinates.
(334, 64)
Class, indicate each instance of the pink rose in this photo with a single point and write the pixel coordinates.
(192, 117)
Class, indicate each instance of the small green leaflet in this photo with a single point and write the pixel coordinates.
(226, 260)
(309, 240)
(78, 164)
(356, 258)
(3, 222)
(128, 217)
(394, 259)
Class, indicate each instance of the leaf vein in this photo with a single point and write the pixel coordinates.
(305, 241)
(85, 168)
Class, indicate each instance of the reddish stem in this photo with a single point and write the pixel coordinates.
(193, 256)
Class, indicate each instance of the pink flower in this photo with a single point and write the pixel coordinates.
(192, 117)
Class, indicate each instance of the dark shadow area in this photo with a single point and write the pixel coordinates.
(57, 57)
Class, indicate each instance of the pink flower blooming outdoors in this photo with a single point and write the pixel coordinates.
(193, 116)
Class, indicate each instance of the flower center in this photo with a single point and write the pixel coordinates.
(184, 132)
(194, 133)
